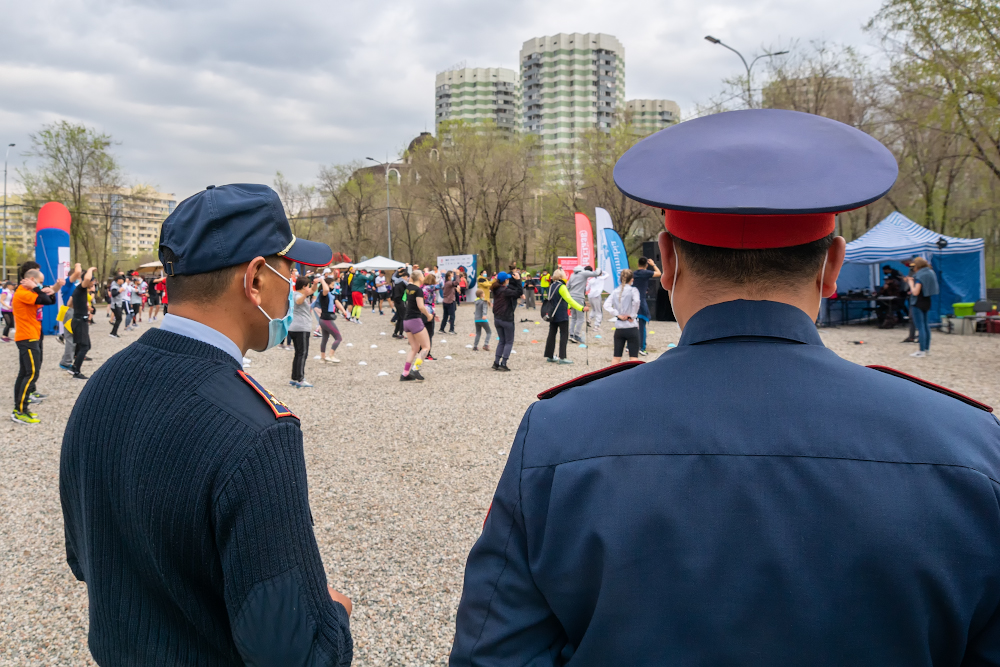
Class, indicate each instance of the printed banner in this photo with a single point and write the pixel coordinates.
(459, 264)
(567, 264)
(603, 221)
(584, 240)
(617, 256)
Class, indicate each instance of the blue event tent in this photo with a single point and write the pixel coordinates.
(960, 264)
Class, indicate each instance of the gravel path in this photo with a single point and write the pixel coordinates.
(400, 475)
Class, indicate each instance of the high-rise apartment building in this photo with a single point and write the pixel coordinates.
(571, 83)
(477, 94)
(649, 116)
(132, 218)
(19, 229)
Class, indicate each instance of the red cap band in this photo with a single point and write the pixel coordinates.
(750, 232)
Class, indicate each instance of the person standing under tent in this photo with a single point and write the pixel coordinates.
(923, 285)
(381, 290)
(640, 280)
(506, 291)
(415, 314)
(559, 322)
(623, 306)
(577, 286)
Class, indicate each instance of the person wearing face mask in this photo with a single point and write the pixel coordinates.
(750, 504)
(201, 527)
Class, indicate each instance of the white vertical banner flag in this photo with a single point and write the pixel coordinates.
(602, 221)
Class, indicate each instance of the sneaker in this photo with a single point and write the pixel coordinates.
(565, 361)
(24, 417)
(293, 383)
(551, 360)
(496, 366)
(430, 358)
(87, 359)
(407, 378)
(486, 348)
(80, 376)
(503, 367)
(32, 399)
(919, 353)
(908, 340)
(60, 338)
(114, 335)
(66, 367)
(334, 360)
(415, 373)
(304, 385)
(643, 353)
(5, 339)
(475, 349)
(452, 331)
(39, 396)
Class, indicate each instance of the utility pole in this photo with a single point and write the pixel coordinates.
(6, 155)
(388, 211)
(749, 67)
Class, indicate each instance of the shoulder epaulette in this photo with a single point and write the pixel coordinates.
(934, 387)
(279, 408)
(588, 377)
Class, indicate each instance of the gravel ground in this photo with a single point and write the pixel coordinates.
(400, 475)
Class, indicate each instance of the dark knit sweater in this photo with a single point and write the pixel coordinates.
(186, 512)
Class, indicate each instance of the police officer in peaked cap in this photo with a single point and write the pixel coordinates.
(182, 479)
(743, 500)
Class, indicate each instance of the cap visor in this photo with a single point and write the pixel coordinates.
(310, 253)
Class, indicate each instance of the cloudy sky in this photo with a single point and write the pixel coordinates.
(212, 91)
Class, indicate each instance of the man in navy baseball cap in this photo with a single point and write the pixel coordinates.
(206, 532)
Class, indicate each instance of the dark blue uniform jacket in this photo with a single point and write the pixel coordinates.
(750, 498)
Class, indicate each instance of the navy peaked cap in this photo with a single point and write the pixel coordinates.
(231, 224)
(759, 178)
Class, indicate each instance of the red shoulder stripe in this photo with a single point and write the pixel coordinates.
(588, 377)
(934, 387)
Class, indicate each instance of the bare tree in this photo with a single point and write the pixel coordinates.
(351, 193)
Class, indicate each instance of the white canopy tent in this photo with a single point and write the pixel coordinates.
(378, 263)
(342, 265)
(152, 265)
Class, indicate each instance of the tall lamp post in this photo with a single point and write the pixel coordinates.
(6, 155)
(388, 211)
(749, 67)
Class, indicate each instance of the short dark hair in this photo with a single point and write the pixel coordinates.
(588, 268)
(200, 287)
(643, 261)
(301, 282)
(24, 268)
(765, 268)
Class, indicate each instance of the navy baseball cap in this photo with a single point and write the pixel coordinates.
(758, 178)
(231, 224)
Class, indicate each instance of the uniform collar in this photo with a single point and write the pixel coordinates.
(202, 332)
(755, 319)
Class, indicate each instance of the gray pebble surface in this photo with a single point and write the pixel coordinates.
(400, 474)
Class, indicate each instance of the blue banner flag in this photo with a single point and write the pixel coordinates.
(615, 249)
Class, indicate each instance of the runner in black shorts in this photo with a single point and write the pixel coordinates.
(414, 312)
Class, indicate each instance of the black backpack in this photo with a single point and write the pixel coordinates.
(549, 304)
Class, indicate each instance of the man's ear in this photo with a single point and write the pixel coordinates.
(834, 263)
(252, 279)
(668, 256)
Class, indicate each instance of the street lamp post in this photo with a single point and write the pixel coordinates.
(388, 211)
(749, 67)
(6, 155)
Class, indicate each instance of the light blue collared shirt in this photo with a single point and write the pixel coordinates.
(182, 326)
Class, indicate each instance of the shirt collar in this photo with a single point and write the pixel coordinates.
(757, 319)
(202, 332)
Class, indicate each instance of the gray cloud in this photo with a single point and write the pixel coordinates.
(213, 92)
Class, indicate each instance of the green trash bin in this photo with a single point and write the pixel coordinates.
(964, 309)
